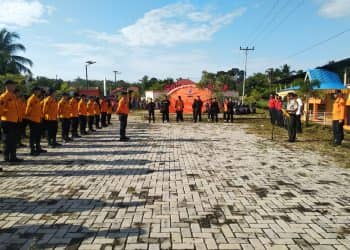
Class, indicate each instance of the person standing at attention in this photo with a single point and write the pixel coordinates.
(34, 115)
(123, 111)
(338, 116)
(179, 107)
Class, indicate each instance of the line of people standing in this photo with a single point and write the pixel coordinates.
(42, 112)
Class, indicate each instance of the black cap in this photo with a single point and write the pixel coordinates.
(65, 94)
(7, 82)
(338, 91)
(36, 89)
(51, 91)
(76, 94)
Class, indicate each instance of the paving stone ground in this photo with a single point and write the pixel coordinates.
(175, 186)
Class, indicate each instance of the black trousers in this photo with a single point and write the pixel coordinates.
(9, 131)
(197, 115)
(226, 116)
(65, 122)
(292, 128)
(25, 124)
(338, 132)
(97, 121)
(179, 116)
(123, 123)
(104, 119)
(75, 124)
(214, 117)
(82, 122)
(229, 117)
(279, 118)
(272, 116)
(109, 118)
(19, 133)
(151, 116)
(299, 129)
(35, 135)
(165, 116)
(91, 122)
(52, 127)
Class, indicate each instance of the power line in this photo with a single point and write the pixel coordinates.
(318, 43)
(271, 21)
(265, 17)
(285, 18)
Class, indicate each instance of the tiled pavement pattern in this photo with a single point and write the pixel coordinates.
(175, 186)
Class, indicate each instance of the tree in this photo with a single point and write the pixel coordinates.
(10, 62)
(307, 89)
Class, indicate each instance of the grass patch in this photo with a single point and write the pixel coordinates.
(315, 137)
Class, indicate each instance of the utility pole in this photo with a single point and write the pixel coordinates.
(246, 50)
(115, 77)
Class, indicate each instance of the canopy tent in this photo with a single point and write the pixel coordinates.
(188, 93)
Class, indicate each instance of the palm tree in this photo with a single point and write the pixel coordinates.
(10, 62)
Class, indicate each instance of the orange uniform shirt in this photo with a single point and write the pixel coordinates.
(109, 109)
(82, 109)
(339, 109)
(97, 109)
(104, 106)
(179, 105)
(74, 107)
(50, 109)
(123, 106)
(90, 108)
(64, 109)
(34, 110)
(9, 107)
(21, 109)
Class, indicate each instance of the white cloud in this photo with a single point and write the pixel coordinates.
(335, 8)
(169, 25)
(76, 49)
(22, 13)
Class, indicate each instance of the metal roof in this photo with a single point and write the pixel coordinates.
(327, 79)
(337, 66)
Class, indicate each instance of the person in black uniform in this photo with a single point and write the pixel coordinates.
(230, 110)
(151, 107)
(198, 109)
(164, 109)
(194, 110)
(214, 110)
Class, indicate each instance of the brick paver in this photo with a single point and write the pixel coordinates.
(175, 186)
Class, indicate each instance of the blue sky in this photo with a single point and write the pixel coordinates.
(164, 38)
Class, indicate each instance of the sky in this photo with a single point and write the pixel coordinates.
(165, 38)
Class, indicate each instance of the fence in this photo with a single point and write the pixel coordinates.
(324, 118)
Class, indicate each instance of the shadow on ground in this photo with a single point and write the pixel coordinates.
(58, 206)
(60, 235)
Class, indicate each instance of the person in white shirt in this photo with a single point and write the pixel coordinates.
(299, 113)
(292, 107)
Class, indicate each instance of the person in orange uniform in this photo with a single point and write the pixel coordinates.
(9, 121)
(179, 107)
(50, 109)
(109, 111)
(97, 108)
(64, 113)
(104, 108)
(338, 116)
(123, 111)
(82, 112)
(74, 115)
(91, 113)
(34, 116)
(225, 110)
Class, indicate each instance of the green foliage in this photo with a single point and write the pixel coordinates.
(254, 96)
(10, 62)
(232, 78)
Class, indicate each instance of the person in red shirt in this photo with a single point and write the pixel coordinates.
(272, 108)
(278, 108)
